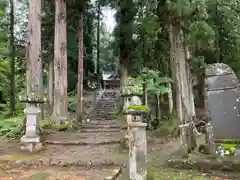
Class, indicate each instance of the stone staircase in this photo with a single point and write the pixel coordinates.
(95, 145)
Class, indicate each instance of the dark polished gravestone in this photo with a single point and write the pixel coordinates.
(222, 100)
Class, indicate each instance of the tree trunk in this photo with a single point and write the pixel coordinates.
(170, 100)
(12, 51)
(98, 42)
(123, 75)
(79, 108)
(33, 56)
(50, 86)
(190, 86)
(178, 63)
(60, 108)
(174, 62)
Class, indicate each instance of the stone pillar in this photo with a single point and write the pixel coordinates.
(137, 151)
(184, 139)
(210, 139)
(31, 137)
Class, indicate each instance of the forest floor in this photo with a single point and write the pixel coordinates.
(94, 152)
(95, 162)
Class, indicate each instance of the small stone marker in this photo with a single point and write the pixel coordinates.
(137, 151)
(184, 139)
(210, 139)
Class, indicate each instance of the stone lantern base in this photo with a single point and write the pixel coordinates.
(31, 139)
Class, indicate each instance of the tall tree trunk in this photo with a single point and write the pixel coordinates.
(60, 108)
(33, 56)
(12, 51)
(50, 86)
(79, 108)
(98, 41)
(174, 62)
(190, 86)
(170, 100)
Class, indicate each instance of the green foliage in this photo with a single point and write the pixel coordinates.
(50, 124)
(72, 101)
(156, 84)
(4, 74)
(5, 112)
(11, 127)
(168, 128)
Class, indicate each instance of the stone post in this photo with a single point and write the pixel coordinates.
(31, 137)
(137, 151)
(184, 139)
(210, 139)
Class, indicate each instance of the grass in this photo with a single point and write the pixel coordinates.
(165, 129)
(172, 174)
(40, 176)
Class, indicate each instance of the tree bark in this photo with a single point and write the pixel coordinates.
(60, 108)
(12, 51)
(98, 42)
(170, 100)
(33, 56)
(174, 62)
(79, 108)
(50, 85)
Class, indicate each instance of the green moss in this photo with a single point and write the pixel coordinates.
(228, 141)
(50, 124)
(227, 146)
(138, 107)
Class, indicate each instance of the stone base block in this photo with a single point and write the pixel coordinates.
(32, 139)
(32, 147)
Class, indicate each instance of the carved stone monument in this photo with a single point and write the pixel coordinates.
(222, 101)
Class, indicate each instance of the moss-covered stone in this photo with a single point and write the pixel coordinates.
(138, 107)
(50, 124)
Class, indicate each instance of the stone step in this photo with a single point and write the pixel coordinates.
(100, 130)
(83, 142)
(87, 156)
(62, 173)
(103, 126)
(84, 138)
(101, 122)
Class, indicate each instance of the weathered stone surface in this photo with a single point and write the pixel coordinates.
(32, 125)
(32, 147)
(137, 151)
(210, 139)
(223, 98)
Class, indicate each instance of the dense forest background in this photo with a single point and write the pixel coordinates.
(157, 34)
